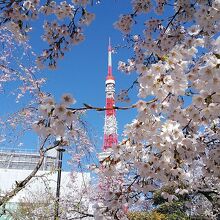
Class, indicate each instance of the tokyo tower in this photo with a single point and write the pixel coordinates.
(110, 127)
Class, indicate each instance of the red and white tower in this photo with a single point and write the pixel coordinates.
(110, 127)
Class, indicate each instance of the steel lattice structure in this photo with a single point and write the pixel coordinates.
(110, 127)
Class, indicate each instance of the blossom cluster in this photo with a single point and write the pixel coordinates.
(123, 96)
(127, 67)
(54, 119)
(170, 33)
(13, 68)
(61, 11)
(87, 18)
(60, 122)
(142, 6)
(124, 23)
(64, 31)
(59, 38)
(174, 140)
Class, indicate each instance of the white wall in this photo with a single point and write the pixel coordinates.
(8, 178)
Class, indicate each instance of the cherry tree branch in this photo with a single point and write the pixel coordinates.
(172, 19)
(90, 107)
(83, 215)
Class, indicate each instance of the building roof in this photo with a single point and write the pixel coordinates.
(26, 160)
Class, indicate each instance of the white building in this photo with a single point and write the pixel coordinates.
(16, 166)
(26, 160)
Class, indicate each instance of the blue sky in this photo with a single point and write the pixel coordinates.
(83, 70)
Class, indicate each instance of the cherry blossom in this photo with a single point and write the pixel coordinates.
(173, 141)
(58, 34)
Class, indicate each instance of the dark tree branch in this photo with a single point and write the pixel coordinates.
(20, 185)
(89, 107)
